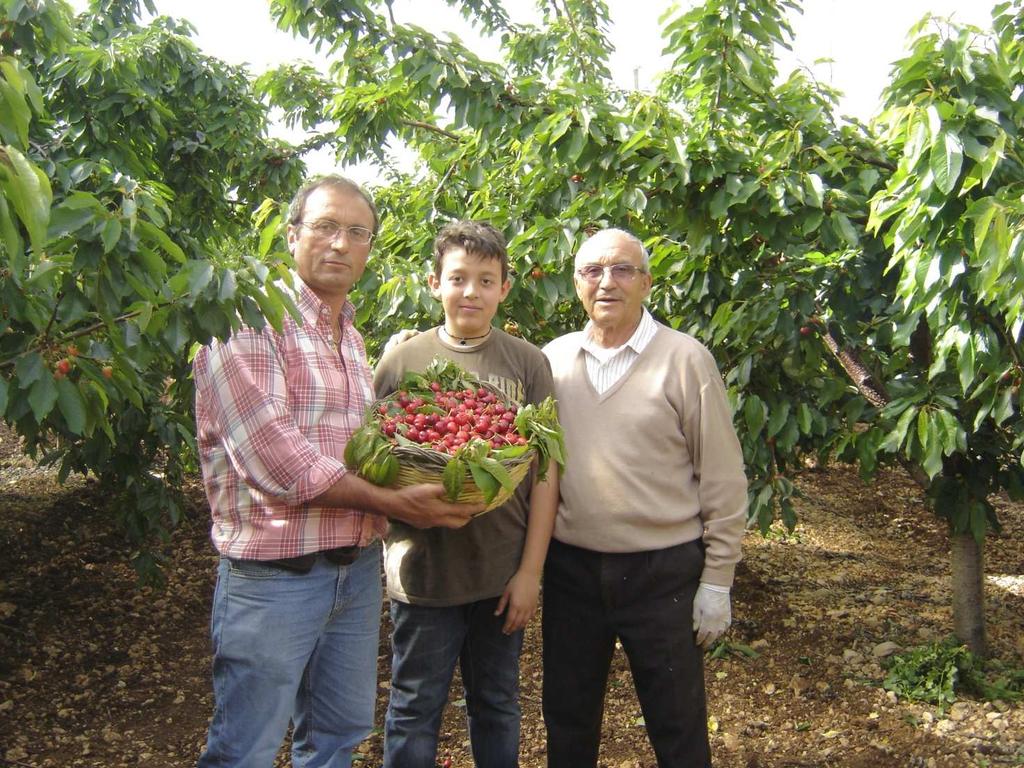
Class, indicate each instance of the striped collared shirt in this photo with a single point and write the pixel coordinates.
(606, 366)
(273, 414)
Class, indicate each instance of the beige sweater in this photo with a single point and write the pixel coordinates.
(654, 461)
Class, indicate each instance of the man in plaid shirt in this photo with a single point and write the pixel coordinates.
(296, 610)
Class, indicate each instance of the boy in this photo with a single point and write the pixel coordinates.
(465, 595)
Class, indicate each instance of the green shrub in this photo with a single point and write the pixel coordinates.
(935, 673)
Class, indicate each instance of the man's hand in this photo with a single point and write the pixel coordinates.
(712, 613)
(398, 338)
(520, 597)
(424, 506)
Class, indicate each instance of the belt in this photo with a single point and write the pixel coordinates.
(304, 563)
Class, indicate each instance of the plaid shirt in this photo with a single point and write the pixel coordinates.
(273, 414)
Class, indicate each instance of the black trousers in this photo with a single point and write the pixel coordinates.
(645, 599)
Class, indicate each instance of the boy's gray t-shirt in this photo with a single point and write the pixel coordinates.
(442, 566)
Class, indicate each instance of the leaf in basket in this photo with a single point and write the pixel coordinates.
(404, 441)
(498, 471)
(510, 452)
(381, 468)
(485, 481)
(554, 450)
(539, 424)
(389, 470)
(452, 476)
(475, 449)
(360, 446)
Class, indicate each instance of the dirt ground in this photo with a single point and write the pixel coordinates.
(96, 671)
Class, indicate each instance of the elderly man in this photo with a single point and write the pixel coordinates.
(296, 609)
(652, 512)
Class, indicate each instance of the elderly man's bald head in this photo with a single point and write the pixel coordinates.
(606, 238)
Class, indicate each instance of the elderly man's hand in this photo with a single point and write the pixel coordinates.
(712, 613)
(398, 338)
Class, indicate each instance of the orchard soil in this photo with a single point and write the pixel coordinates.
(98, 671)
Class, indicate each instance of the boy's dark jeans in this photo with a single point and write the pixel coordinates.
(427, 642)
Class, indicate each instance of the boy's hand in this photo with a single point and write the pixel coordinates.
(520, 597)
(398, 338)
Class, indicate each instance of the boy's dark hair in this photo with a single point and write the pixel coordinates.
(477, 238)
(297, 209)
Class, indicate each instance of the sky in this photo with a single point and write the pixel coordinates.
(861, 37)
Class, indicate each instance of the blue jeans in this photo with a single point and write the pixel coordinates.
(426, 643)
(293, 646)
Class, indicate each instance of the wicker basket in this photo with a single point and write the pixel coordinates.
(425, 465)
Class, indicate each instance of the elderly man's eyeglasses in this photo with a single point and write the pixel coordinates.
(329, 230)
(621, 273)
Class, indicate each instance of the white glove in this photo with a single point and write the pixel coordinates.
(712, 613)
(398, 338)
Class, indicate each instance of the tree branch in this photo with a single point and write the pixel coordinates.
(874, 392)
(429, 127)
(76, 334)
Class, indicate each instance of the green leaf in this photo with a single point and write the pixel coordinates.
(1003, 407)
(156, 234)
(803, 415)
(965, 363)
(754, 414)
(176, 333)
(268, 234)
(12, 90)
(485, 481)
(813, 190)
(3, 397)
(28, 190)
(946, 159)
(895, 438)
(228, 285)
(72, 406)
(29, 369)
(931, 442)
(111, 235)
(498, 471)
(844, 228)
(982, 211)
(452, 477)
(992, 157)
(952, 434)
(42, 397)
(200, 275)
(778, 418)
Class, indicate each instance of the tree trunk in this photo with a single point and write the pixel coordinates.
(969, 592)
(968, 568)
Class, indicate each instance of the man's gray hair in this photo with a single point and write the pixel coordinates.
(595, 240)
(297, 209)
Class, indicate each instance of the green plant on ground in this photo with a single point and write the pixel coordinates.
(936, 673)
(723, 648)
